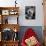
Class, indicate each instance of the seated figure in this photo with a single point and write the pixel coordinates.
(30, 39)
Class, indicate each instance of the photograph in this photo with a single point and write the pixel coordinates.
(30, 12)
(22, 23)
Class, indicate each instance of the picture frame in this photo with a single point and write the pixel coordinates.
(9, 34)
(13, 12)
(30, 12)
(6, 34)
(5, 12)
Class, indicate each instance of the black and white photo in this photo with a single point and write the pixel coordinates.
(30, 12)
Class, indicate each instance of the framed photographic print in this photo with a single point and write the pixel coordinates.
(30, 12)
(5, 12)
(13, 12)
(7, 34)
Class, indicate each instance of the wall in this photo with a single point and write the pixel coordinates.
(22, 21)
(39, 13)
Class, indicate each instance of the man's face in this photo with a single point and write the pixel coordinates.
(31, 41)
(30, 12)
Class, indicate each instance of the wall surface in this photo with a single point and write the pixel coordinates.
(22, 3)
(39, 13)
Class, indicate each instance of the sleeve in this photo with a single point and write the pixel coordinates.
(23, 43)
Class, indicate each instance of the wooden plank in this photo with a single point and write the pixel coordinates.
(10, 26)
